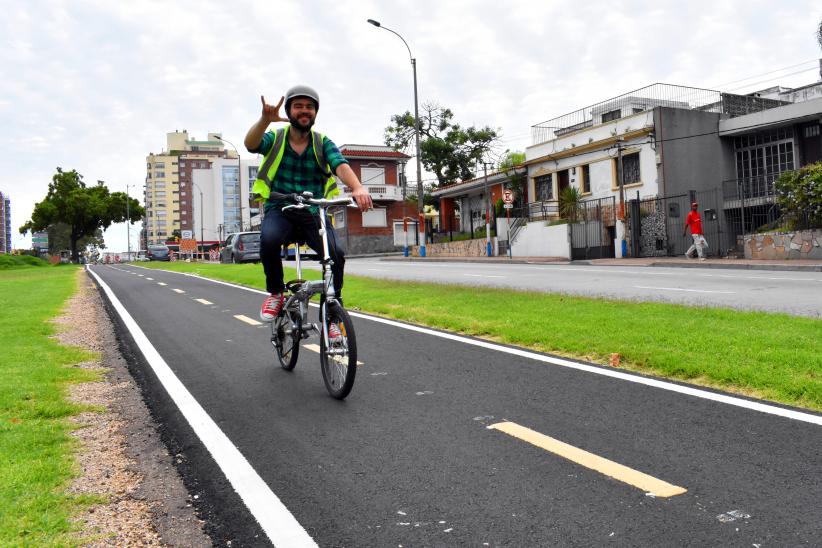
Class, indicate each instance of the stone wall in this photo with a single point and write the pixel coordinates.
(804, 244)
(464, 248)
(363, 245)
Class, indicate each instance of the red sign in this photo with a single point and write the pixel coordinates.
(508, 196)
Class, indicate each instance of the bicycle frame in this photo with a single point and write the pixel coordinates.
(326, 286)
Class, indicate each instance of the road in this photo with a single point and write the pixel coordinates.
(797, 293)
(448, 441)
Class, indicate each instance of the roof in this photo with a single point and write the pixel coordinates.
(371, 151)
(494, 178)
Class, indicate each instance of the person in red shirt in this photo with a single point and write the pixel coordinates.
(694, 221)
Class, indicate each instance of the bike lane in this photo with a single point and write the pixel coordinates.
(409, 458)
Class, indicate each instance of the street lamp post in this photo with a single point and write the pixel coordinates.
(239, 176)
(416, 134)
(202, 226)
(128, 226)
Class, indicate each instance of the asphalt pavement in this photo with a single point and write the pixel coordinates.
(422, 452)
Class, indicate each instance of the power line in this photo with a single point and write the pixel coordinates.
(765, 73)
(772, 79)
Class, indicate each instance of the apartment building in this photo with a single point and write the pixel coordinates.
(218, 197)
(5, 223)
(168, 188)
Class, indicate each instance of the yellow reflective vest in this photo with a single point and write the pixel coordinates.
(271, 163)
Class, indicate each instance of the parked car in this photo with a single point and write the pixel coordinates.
(241, 247)
(158, 252)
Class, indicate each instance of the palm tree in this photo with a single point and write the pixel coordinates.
(569, 203)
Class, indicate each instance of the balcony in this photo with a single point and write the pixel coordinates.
(378, 192)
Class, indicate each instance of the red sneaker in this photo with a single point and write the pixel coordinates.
(271, 307)
(334, 333)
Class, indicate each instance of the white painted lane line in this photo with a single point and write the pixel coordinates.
(247, 320)
(316, 348)
(149, 279)
(680, 289)
(483, 276)
(178, 291)
(161, 283)
(203, 301)
(141, 275)
(588, 368)
(649, 484)
(279, 524)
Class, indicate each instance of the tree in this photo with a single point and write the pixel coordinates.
(446, 149)
(60, 239)
(819, 34)
(516, 180)
(84, 209)
(799, 195)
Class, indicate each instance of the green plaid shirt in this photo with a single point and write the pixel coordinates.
(298, 173)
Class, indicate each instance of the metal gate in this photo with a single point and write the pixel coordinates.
(593, 229)
(655, 225)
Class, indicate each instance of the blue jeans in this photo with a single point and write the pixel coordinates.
(284, 227)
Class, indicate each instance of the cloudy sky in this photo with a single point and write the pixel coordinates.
(94, 85)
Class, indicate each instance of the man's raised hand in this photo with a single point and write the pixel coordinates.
(272, 113)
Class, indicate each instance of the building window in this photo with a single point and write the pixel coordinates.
(630, 169)
(374, 218)
(372, 175)
(585, 184)
(544, 187)
(339, 218)
(764, 155)
(612, 115)
(811, 131)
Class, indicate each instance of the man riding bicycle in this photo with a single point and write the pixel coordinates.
(297, 159)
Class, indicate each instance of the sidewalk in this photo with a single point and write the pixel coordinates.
(744, 264)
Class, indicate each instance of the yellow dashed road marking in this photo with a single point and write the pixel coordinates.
(247, 320)
(316, 348)
(611, 469)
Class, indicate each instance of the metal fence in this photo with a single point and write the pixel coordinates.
(647, 98)
(655, 225)
(594, 229)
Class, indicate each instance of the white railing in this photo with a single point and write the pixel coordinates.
(378, 192)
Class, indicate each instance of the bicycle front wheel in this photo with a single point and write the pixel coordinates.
(286, 333)
(339, 358)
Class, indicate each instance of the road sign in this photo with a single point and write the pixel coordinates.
(188, 246)
(508, 196)
(508, 206)
(187, 235)
(40, 240)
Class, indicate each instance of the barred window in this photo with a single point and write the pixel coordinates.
(630, 169)
(544, 187)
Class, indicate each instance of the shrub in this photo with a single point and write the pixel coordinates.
(799, 195)
(15, 261)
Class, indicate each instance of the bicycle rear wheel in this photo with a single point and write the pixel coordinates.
(339, 359)
(286, 333)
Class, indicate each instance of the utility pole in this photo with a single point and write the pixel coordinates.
(487, 211)
(621, 237)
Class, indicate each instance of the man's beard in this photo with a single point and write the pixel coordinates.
(299, 127)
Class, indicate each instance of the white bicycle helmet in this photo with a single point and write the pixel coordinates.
(301, 91)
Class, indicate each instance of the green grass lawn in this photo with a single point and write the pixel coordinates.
(771, 356)
(36, 451)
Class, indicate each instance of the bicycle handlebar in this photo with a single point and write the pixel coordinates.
(307, 198)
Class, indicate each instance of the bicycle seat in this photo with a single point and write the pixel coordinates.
(294, 285)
